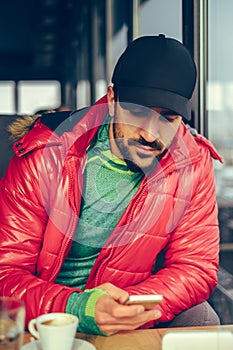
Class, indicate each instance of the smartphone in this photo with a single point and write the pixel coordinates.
(147, 300)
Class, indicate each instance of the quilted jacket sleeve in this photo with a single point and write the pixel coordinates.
(189, 272)
(23, 220)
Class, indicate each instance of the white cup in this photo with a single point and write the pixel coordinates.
(55, 331)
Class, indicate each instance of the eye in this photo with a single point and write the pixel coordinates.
(140, 112)
(168, 117)
(136, 110)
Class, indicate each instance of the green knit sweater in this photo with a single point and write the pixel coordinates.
(108, 188)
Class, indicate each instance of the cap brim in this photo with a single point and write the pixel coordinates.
(157, 98)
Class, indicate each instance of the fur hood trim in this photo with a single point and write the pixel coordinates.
(22, 125)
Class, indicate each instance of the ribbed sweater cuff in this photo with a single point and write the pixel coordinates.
(83, 306)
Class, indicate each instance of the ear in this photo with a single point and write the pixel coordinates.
(111, 101)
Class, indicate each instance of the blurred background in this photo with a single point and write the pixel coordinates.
(62, 52)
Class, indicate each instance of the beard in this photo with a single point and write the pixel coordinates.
(139, 162)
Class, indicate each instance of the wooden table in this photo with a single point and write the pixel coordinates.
(150, 339)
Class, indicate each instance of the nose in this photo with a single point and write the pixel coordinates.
(150, 129)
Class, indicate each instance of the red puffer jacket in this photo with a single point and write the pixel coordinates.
(174, 212)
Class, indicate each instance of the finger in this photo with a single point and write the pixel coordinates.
(115, 292)
(114, 313)
(140, 318)
(127, 324)
(108, 306)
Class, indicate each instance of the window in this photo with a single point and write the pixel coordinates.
(220, 115)
(161, 16)
(7, 105)
(36, 95)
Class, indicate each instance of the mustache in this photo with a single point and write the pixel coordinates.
(156, 144)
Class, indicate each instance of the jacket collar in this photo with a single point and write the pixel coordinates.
(76, 130)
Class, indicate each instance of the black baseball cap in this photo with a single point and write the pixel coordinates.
(156, 71)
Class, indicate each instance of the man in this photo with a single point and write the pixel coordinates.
(94, 199)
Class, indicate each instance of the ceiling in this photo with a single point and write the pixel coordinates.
(38, 37)
(32, 38)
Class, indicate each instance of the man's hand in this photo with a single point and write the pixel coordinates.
(112, 316)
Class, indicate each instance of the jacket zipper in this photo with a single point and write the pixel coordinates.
(68, 237)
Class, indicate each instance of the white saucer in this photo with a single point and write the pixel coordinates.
(78, 344)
